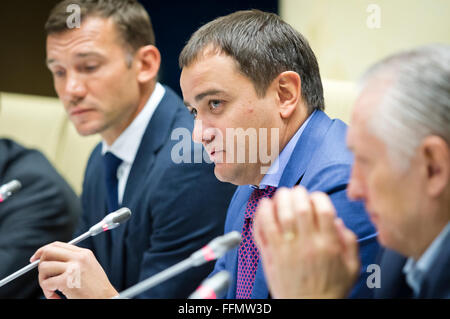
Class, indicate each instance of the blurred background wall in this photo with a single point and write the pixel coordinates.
(22, 37)
(349, 35)
(346, 35)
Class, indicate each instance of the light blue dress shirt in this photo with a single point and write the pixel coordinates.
(273, 175)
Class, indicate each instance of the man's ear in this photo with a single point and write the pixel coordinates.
(436, 154)
(148, 62)
(289, 90)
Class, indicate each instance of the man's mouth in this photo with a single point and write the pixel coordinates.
(213, 155)
(78, 111)
(373, 216)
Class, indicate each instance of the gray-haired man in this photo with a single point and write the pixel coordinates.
(400, 136)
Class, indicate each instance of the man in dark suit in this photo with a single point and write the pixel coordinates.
(400, 136)
(105, 73)
(251, 76)
(45, 209)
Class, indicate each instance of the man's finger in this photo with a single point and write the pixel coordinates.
(258, 230)
(66, 246)
(351, 248)
(50, 285)
(49, 294)
(284, 210)
(38, 253)
(49, 269)
(55, 253)
(303, 212)
(325, 213)
(266, 224)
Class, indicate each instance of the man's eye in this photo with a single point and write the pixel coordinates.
(59, 73)
(90, 68)
(362, 160)
(193, 112)
(214, 104)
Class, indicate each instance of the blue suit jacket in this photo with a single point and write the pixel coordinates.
(176, 209)
(319, 162)
(436, 283)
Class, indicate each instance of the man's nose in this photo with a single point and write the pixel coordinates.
(201, 134)
(197, 132)
(356, 187)
(75, 87)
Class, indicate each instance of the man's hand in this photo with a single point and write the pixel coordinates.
(72, 270)
(306, 251)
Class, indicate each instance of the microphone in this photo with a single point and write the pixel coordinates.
(211, 287)
(111, 221)
(8, 189)
(214, 250)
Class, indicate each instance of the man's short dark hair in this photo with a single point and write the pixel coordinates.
(130, 17)
(263, 45)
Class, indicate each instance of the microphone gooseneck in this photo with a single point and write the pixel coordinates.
(215, 249)
(111, 221)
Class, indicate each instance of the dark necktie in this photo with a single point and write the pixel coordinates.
(248, 252)
(111, 163)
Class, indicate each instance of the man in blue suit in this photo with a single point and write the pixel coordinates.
(400, 136)
(250, 76)
(105, 73)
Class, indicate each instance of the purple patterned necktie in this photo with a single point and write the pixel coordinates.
(248, 252)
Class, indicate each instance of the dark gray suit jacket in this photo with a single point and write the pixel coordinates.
(436, 284)
(45, 210)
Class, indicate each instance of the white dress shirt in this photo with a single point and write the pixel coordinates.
(127, 144)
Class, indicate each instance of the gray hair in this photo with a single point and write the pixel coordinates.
(263, 46)
(416, 103)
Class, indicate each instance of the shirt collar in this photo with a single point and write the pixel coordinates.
(415, 271)
(127, 144)
(273, 175)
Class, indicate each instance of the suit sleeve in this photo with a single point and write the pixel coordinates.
(43, 211)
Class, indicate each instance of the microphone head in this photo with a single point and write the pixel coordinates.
(212, 287)
(121, 215)
(229, 240)
(8, 189)
(13, 186)
(216, 248)
(111, 221)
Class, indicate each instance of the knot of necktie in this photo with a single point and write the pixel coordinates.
(255, 197)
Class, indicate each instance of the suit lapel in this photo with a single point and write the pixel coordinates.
(156, 133)
(303, 152)
(292, 175)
